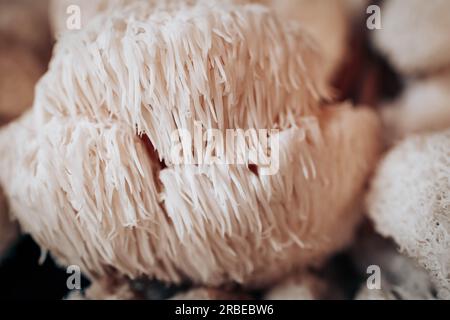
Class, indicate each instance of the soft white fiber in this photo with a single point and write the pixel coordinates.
(329, 22)
(83, 175)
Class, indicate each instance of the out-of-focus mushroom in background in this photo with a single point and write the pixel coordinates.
(24, 48)
(414, 35)
(409, 198)
(409, 201)
(25, 22)
(414, 38)
(20, 72)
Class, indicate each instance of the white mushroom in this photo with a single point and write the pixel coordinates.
(423, 107)
(410, 202)
(414, 35)
(83, 182)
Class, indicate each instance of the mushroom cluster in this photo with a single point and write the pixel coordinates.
(223, 149)
(409, 197)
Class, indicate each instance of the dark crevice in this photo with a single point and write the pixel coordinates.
(253, 168)
(152, 152)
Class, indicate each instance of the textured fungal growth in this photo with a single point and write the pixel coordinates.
(93, 187)
(19, 73)
(391, 291)
(174, 64)
(25, 22)
(82, 169)
(415, 35)
(423, 107)
(355, 8)
(409, 201)
(24, 46)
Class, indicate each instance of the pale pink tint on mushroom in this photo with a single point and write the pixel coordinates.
(82, 182)
(303, 286)
(327, 21)
(25, 22)
(409, 201)
(423, 107)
